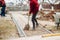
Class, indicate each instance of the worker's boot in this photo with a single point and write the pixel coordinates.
(37, 24)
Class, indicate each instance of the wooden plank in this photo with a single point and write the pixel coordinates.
(50, 35)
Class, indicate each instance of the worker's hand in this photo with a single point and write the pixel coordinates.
(29, 14)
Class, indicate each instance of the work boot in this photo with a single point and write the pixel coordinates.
(37, 25)
(33, 28)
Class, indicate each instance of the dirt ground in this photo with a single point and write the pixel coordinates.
(7, 28)
(53, 29)
(36, 32)
(39, 31)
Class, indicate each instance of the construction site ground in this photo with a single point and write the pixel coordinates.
(50, 25)
(7, 28)
(10, 30)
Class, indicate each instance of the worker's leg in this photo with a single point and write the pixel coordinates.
(34, 20)
(3, 11)
(33, 17)
(57, 25)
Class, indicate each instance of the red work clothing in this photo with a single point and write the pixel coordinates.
(34, 6)
(0, 3)
(3, 2)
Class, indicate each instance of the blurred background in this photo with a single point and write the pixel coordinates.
(19, 5)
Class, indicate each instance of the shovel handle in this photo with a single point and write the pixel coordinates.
(28, 18)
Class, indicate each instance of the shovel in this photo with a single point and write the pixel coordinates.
(27, 26)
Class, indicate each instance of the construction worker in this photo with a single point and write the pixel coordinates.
(34, 8)
(3, 8)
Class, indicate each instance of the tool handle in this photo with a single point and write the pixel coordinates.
(28, 18)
